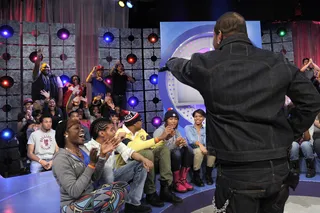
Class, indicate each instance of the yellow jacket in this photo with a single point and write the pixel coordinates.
(139, 141)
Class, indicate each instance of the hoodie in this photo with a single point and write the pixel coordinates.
(73, 176)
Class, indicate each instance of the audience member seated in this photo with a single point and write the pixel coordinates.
(138, 139)
(42, 146)
(181, 153)
(76, 171)
(305, 144)
(99, 83)
(75, 115)
(135, 171)
(316, 137)
(196, 137)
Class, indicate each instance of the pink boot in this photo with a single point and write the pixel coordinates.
(178, 186)
(183, 178)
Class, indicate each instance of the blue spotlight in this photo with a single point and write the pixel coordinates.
(154, 79)
(129, 4)
(133, 101)
(7, 134)
(108, 37)
(6, 31)
(65, 79)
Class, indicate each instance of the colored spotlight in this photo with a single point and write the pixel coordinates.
(129, 4)
(153, 38)
(131, 58)
(108, 80)
(6, 82)
(33, 57)
(63, 34)
(281, 31)
(6, 31)
(108, 37)
(6, 108)
(7, 134)
(121, 3)
(65, 79)
(154, 79)
(156, 121)
(133, 101)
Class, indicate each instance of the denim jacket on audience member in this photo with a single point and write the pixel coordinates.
(192, 135)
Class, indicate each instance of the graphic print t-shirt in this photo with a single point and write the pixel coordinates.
(44, 143)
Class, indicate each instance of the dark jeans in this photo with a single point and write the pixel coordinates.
(253, 188)
(120, 101)
(181, 157)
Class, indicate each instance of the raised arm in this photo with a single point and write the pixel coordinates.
(36, 68)
(91, 74)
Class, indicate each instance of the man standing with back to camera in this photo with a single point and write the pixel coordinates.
(246, 125)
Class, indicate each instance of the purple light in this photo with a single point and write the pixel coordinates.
(153, 79)
(64, 35)
(5, 33)
(156, 121)
(108, 81)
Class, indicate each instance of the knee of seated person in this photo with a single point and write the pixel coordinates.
(295, 145)
(165, 151)
(147, 153)
(306, 145)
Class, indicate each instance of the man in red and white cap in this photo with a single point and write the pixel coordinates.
(100, 87)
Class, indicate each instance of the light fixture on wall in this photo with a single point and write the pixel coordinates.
(282, 31)
(133, 101)
(34, 56)
(129, 3)
(65, 79)
(156, 121)
(108, 37)
(6, 82)
(154, 79)
(6, 31)
(7, 134)
(63, 34)
(6, 108)
(153, 38)
(131, 58)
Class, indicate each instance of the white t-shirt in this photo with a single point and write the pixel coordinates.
(44, 143)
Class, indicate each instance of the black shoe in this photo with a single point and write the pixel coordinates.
(209, 179)
(154, 200)
(129, 208)
(197, 179)
(167, 195)
(311, 171)
(295, 167)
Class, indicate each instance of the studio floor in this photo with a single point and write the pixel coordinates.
(35, 193)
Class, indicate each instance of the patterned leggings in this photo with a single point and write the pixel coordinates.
(108, 198)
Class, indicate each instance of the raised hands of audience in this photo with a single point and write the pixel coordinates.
(45, 94)
(109, 145)
(94, 156)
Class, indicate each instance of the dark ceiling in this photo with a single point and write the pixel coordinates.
(149, 13)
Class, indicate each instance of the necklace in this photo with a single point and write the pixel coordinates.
(77, 153)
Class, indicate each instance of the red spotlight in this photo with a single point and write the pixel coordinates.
(33, 57)
(131, 58)
(153, 38)
(6, 82)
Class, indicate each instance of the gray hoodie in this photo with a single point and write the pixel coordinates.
(73, 177)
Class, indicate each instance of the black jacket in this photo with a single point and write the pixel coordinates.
(244, 90)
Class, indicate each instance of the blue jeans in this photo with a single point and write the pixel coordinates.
(181, 157)
(306, 148)
(135, 173)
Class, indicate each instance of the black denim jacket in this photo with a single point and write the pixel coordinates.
(244, 90)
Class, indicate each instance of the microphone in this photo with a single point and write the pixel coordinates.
(163, 69)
